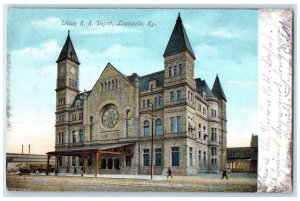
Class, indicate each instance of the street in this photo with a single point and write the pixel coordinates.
(201, 183)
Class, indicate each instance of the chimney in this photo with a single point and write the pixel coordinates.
(29, 149)
(22, 149)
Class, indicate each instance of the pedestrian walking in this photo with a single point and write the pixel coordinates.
(75, 171)
(224, 174)
(82, 170)
(169, 173)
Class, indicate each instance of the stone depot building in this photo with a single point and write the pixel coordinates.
(109, 128)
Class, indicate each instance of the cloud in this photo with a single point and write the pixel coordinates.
(109, 30)
(223, 34)
(243, 85)
(44, 51)
(48, 23)
(46, 69)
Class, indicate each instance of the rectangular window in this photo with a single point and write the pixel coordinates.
(81, 161)
(148, 102)
(175, 70)
(180, 69)
(73, 160)
(89, 159)
(103, 163)
(172, 96)
(178, 123)
(214, 134)
(146, 157)
(175, 156)
(160, 102)
(80, 116)
(213, 151)
(60, 161)
(110, 163)
(178, 95)
(199, 155)
(116, 164)
(156, 101)
(191, 156)
(204, 155)
(158, 157)
(62, 118)
(128, 160)
(172, 125)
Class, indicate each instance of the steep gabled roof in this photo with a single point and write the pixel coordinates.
(202, 86)
(178, 41)
(158, 76)
(68, 51)
(80, 97)
(217, 89)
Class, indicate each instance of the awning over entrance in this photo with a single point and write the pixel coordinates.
(117, 149)
(124, 149)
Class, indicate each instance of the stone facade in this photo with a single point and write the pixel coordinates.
(189, 122)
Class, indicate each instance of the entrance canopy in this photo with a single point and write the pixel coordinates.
(116, 149)
(124, 149)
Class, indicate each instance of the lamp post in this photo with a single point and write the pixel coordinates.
(151, 112)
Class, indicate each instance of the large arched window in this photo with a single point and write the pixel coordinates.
(199, 130)
(128, 122)
(158, 127)
(81, 139)
(73, 136)
(146, 128)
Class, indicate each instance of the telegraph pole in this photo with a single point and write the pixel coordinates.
(151, 112)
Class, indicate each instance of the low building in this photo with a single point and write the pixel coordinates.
(243, 159)
(16, 161)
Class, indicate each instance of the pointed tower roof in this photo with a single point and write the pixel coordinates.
(217, 89)
(68, 51)
(179, 40)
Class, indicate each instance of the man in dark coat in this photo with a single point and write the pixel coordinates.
(224, 174)
(169, 173)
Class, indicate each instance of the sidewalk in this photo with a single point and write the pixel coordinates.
(155, 177)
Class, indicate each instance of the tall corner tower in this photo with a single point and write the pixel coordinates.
(67, 87)
(217, 90)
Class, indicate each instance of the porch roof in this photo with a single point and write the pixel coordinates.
(119, 149)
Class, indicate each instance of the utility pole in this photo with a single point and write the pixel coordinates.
(151, 112)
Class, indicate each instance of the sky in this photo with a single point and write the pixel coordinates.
(224, 43)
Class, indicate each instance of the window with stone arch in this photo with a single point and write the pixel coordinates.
(158, 127)
(81, 139)
(73, 136)
(128, 122)
(108, 85)
(146, 128)
(199, 131)
(170, 71)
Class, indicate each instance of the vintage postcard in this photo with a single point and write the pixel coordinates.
(149, 100)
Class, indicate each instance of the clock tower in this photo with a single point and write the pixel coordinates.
(67, 87)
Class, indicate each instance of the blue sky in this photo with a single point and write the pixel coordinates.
(224, 42)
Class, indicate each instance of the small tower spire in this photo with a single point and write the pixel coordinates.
(217, 89)
(178, 41)
(68, 51)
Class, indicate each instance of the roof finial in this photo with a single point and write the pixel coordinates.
(179, 18)
(68, 32)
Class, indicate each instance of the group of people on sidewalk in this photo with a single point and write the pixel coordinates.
(82, 170)
(224, 173)
(169, 172)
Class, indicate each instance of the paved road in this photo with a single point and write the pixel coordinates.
(210, 183)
